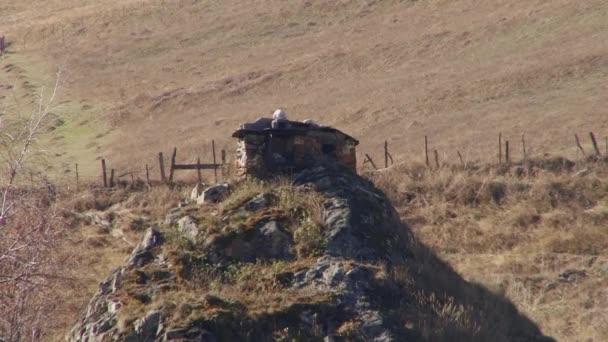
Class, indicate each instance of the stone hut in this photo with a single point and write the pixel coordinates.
(268, 147)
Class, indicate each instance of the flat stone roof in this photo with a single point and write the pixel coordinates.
(263, 126)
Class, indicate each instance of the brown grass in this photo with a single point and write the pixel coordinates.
(516, 235)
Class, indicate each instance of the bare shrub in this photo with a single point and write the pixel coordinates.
(29, 232)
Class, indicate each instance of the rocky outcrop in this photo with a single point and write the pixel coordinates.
(207, 278)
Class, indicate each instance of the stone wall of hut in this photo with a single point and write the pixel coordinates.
(250, 156)
(307, 150)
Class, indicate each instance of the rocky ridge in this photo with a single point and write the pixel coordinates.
(332, 262)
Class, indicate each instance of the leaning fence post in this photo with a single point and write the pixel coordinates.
(461, 160)
(595, 146)
(161, 164)
(103, 173)
(385, 154)
(172, 164)
(578, 144)
(367, 157)
(214, 163)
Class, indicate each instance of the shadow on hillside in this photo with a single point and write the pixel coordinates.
(435, 303)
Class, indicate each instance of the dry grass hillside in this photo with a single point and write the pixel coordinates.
(148, 74)
(534, 232)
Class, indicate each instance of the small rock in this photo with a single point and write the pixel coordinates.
(187, 227)
(571, 276)
(258, 202)
(147, 326)
(213, 194)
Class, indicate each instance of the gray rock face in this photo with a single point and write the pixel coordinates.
(141, 255)
(147, 326)
(187, 227)
(360, 223)
(213, 194)
(100, 321)
(350, 288)
(267, 241)
(274, 241)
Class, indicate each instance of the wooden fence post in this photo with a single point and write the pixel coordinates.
(368, 158)
(436, 159)
(172, 164)
(103, 173)
(385, 154)
(2, 46)
(595, 146)
(578, 144)
(161, 164)
(223, 163)
(606, 143)
(198, 170)
(77, 180)
(500, 148)
(214, 163)
(112, 178)
(507, 154)
(426, 150)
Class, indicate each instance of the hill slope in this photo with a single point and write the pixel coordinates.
(458, 71)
